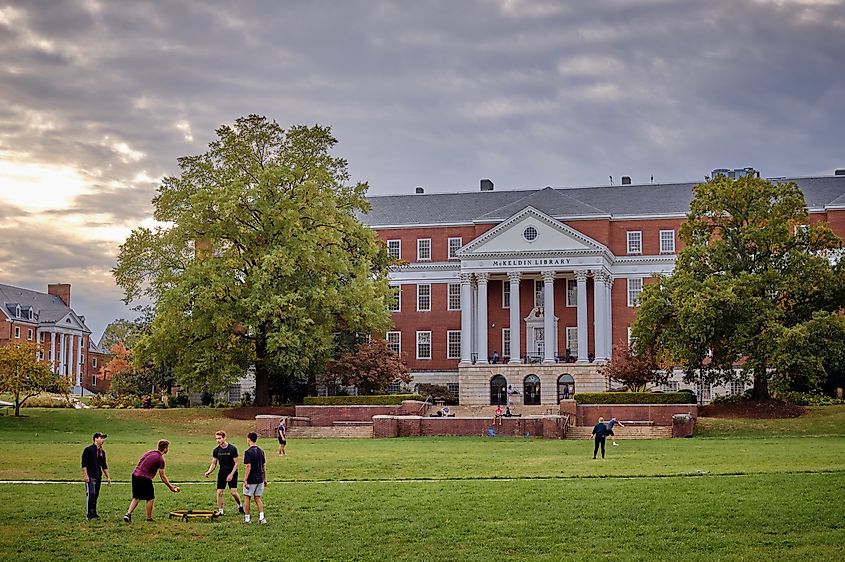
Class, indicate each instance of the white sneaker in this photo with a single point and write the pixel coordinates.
(262, 521)
(616, 444)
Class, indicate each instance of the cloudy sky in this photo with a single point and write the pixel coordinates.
(98, 99)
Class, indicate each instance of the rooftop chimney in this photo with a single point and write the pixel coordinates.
(839, 172)
(419, 190)
(626, 180)
(61, 290)
(486, 185)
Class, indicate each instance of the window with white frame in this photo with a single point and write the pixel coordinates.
(506, 294)
(454, 296)
(423, 298)
(394, 341)
(395, 304)
(635, 242)
(424, 345)
(423, 249)
(394, 388)
(635, 287)
(453, 344)
(572, 340)
(667, 241)
(571, 293)
(704, 390)
(506, 342)
(538, 292)
(669, 386)
(736, 387)
(17, 332)
(454, 245)
(81, 358)
(94, 362)
(394, 249)
(630, 338)
(454, 388)
(29, 334)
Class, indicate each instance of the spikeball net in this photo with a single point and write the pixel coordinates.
(189, 514)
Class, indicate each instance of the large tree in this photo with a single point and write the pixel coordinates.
(23, 375)
(123, 331)
(259, 260)
(752, 267)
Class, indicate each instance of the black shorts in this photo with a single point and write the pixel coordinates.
(610, 433)
(221, 480)
(142, 488)
(282, 441)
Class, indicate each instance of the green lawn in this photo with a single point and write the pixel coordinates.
(741, 490)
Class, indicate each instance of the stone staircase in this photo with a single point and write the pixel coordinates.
(490, 411)
(627, 432)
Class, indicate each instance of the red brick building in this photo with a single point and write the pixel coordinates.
(48, 319)
(484, 270)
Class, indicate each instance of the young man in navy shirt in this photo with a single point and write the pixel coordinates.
(93, 467)
(255, 477)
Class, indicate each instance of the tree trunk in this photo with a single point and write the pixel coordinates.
(17, 407)
(760, 393)
(262, 385)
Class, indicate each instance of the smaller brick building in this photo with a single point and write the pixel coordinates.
(48, 319)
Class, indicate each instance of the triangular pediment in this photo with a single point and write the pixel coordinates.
(532, 231)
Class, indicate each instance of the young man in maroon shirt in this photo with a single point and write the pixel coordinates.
(142, 480)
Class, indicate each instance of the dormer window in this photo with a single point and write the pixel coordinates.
(18, 311)
(30, 314)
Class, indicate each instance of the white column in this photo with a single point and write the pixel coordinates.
(61, 353)
(600, 324)
(474, 323)
(550, 343)
(483, 345)
(515, 318)
(78, 360)
(51, 356)
(466, 318)
(581, 278)
(609, 304)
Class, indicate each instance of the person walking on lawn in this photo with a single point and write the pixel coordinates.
(94, 466)
(600, 433)
(226, 455)
(142, 480)
(281, 433)
(255, 477)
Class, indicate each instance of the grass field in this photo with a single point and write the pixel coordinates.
(740, 490)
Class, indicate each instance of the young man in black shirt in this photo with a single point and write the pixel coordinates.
(93, 467)
(600, 434)
(227, 455)
(255, 477)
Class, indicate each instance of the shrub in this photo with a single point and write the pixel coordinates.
(635, 398)
(379, 399)
(807, 399)
(179, 401)
(46, 401)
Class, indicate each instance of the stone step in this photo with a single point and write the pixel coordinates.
(345, 431)
(628, 432)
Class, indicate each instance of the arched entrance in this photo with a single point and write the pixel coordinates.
(531, 387)
(565, 387)
(499, 390)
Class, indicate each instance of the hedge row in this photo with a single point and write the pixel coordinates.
(378, 400)
(635, 398)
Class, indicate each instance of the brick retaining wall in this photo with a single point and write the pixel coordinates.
(660, 414)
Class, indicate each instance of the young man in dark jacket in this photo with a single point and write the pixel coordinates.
(94, 466)
(600, 433)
